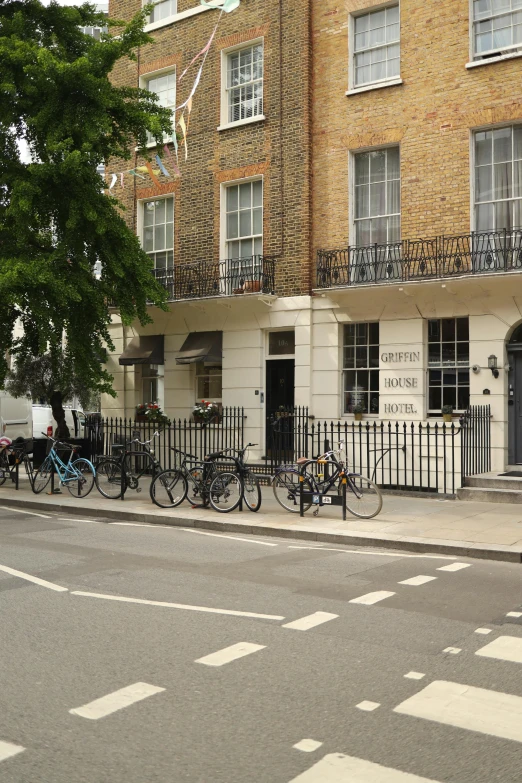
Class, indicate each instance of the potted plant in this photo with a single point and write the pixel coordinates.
(151, 412)
(205, 412)
(358, 411)
(447, 413)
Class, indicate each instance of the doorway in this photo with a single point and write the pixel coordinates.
(515, 398)
(280, 374)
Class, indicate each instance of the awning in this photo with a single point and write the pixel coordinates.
(144, 350)
(201, 347)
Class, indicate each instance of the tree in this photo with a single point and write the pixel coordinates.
(55, 221)
(42, 379)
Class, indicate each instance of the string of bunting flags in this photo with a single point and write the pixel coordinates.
(185, 108)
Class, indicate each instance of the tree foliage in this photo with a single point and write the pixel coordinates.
(56, 223)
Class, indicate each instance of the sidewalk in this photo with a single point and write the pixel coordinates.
(486, 530)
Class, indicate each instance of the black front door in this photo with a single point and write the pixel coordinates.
(279, 408)
(515, 407)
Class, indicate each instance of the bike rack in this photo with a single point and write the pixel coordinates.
(319, 498)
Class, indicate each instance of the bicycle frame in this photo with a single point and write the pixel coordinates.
(65, 471)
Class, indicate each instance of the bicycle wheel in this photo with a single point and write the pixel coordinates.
(197, 492)
(43, 476)
(168, 489)
(363, 497)
(286, 490)
(108, 478)
(80, 485)
(226, 492)
(4, 467)
(251, 491)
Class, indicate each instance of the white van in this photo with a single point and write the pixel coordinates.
(20, 418)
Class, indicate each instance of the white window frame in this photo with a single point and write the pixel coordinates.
(343, 369)
(206, 365)
(351, 185)
(144, 81)
(434, 412)
(354, 89)
(224, 121)
(510, 52)
(198, 9)
(140, 221)
(223, 210)
(472, 174)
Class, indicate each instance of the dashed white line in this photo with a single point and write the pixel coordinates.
(35, 579)
(483, 631)
(310, 621)
(307, 745)
(232, 653)
(452, 650)
(372, 554)
(221, 535)
(414, 676)
(24, 511)
(338, 768)
(8, 749)
(209, 610)
(77, 519)
(368, 706)
(415, 581)
(106, 705)
(466, 707)
(372, 598)
(454, 567)
(514, 614)
(505, 648)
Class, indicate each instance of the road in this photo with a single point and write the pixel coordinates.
(238, 658)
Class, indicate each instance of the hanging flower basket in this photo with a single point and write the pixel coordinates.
(206, 412)
(151, 412)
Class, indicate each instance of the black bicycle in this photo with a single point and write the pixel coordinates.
(230, 487)
(14, 455)
(173, 485)
(114, 475)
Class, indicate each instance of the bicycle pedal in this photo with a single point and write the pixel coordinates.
(138, 489)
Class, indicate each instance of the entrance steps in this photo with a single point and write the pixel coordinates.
(492, 488)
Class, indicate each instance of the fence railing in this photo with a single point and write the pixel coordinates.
(414, 259)
(203, 279)
(194, 438)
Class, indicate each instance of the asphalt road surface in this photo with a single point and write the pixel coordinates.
(240, 659)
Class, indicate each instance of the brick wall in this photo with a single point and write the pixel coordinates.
(430, 115)
(277, 148)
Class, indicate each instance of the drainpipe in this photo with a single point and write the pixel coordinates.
(125, 369)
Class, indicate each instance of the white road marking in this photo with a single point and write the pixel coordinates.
(24, 511)
(36, 580)
(106, 705)
(415, 581)
(221, 535)
(310, 621)
(136, 524)
(414, 676)
(8, 749)
(368, 706)
(454, 567)
(207, 609)
(307, 745)
(371, 598)
(372, 554)
(452, 650)
(337, 768)
(505, 648)
(483, 631)
(477, 709)
(514, 614)
(77, 519)
(231, 653)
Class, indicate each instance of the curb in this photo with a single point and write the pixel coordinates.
(497, 552)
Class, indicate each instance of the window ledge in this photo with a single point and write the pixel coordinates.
(491, 60)
(238, 123)
(376, 86)
(181, 15)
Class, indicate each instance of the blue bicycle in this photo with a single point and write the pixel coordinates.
(76, 474)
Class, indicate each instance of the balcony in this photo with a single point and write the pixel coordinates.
(421, 259)
(206, 279)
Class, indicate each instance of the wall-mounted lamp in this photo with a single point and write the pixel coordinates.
(492, 365)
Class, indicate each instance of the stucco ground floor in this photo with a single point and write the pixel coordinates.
(399, 352)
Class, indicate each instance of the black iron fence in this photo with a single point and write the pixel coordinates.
(414, 456)
(203, 279)
(199, 439)
(474, 253)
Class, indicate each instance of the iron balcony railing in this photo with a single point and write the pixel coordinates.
(421, 259)
(203, 279)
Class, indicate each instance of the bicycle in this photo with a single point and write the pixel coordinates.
(229, 488)
(77, 475)
(12, 456)
(114, 475)
(367, 498)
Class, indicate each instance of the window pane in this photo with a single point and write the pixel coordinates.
(361, 334)
(246, 249)
(378, 199)
(502, 180)
(485, 219)
(377, 165)
(434, 353)
(462, 328)
(245, 192)
(159, 237)
(435, 399)
(373, 333)
(448, 353)
(501, 145)
(362, 23)
(484, 183)
(245, 223)
(232, 198)
(363, 235)
(257, 227)
(463, 397)
(433, 330)
(362, 201)
(374, 356)
(462, 353)
(169, 234)
(362, 168)
(349, 334)
(448, 329)
(257, 193)
(392, 15)
(484, 147)
(232, 225)
(148, 241)
(148, 213)
(435, 377)
(170, 209)
(449, 396)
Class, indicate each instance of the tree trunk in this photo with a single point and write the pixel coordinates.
(61, 430)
